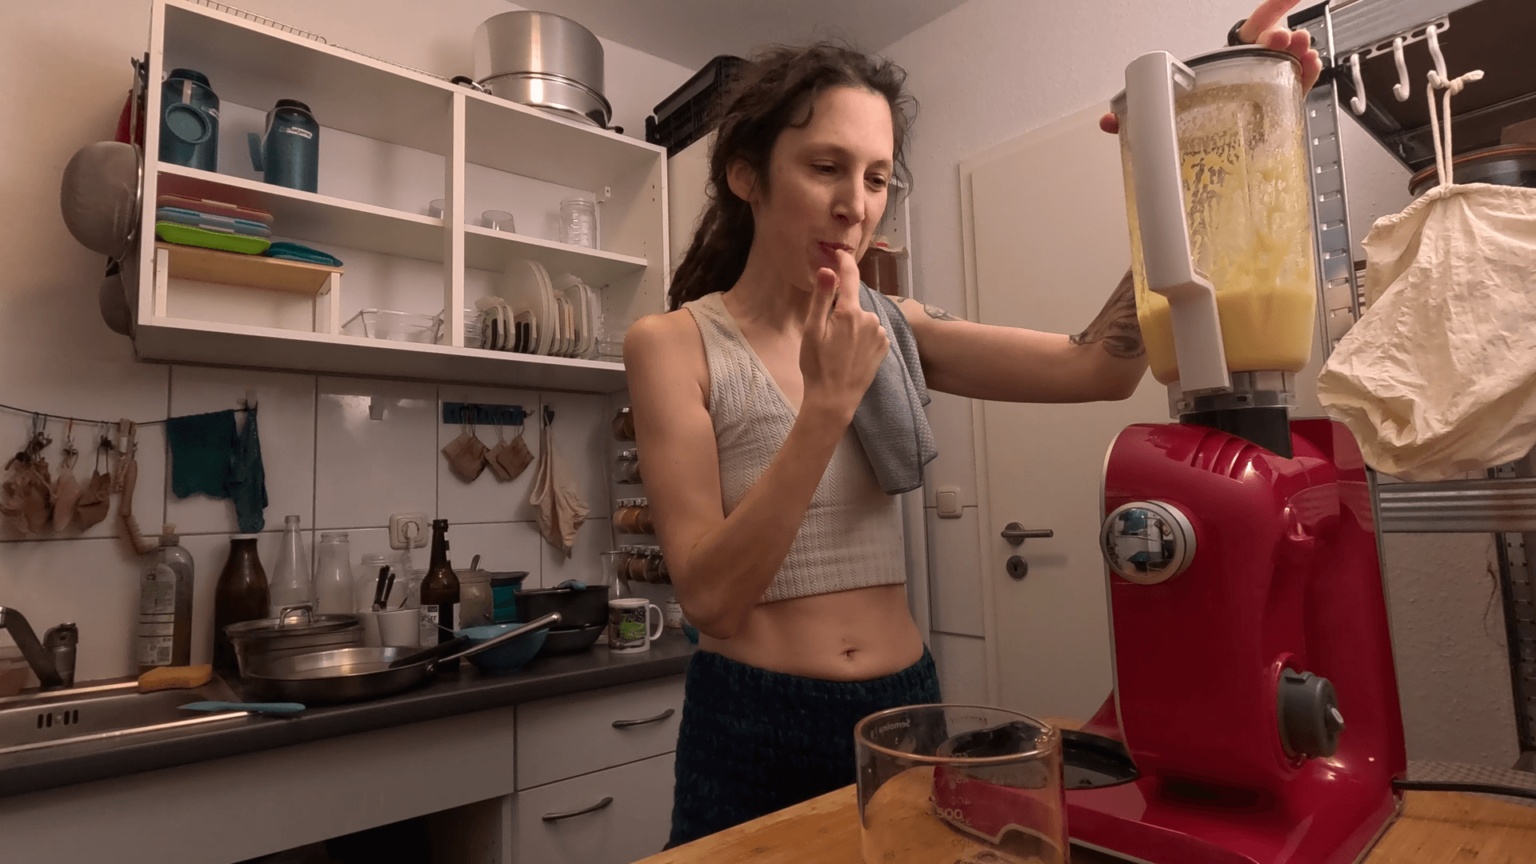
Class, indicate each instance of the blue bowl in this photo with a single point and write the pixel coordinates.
(692, 633)
(507, 657)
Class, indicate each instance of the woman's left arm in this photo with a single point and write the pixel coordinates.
(1105, 362)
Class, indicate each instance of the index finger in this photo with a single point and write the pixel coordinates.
(847, 281)
(1265, 16)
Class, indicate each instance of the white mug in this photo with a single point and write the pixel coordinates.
(629, 625)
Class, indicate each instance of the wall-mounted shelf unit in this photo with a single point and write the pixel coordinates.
(391, 140)
(1487, 33)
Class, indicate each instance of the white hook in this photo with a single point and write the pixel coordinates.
(1401, 89)
(1357, 101)
(1437, 76)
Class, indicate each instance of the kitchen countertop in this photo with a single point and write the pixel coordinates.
(1434, 827)
(450, 693)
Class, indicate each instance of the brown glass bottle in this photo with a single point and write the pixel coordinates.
(241, 595)
(440, 588)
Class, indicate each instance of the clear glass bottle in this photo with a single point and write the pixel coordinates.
(333, 574)
(291, 584)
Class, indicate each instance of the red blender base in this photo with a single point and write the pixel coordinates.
(1283, 580)
(1131, 821)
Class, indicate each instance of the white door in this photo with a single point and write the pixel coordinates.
(1046, 244)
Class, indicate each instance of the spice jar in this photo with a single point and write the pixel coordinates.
(624, 424)
(627, 468)
(634, 567)
(655, 572)
(633, 516)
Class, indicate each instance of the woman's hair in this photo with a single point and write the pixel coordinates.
(777, 91)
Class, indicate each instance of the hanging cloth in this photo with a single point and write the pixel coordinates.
(26, 496)
(66, 489)
(1438, 377)
(561, 509)
(96, 500)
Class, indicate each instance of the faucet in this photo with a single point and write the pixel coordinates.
(53, 659)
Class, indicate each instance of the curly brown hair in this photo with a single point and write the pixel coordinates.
(777, 91)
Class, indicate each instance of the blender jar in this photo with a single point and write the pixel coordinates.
(1238, 154)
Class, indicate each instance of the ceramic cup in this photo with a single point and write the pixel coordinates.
(400, 628)
(371, 638)
(629, 625)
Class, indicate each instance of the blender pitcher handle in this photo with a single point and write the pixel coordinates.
(1151, 83)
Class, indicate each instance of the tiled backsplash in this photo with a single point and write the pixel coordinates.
(328, 461)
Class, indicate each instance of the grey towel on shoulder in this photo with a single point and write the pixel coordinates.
(891, 421)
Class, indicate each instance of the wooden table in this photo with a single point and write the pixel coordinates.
(1434, 828)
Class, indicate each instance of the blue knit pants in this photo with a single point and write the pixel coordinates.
(754, 741)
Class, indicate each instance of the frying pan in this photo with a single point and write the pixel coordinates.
(356, 674)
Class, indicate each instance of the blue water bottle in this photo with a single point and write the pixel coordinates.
(189, 121)
(288, 154)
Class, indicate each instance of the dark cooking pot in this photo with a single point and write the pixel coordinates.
(1505, 165)
(578, 607)
(569, 640)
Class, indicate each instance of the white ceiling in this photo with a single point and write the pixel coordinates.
(690, 32)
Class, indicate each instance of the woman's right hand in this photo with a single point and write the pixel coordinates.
(843, 345)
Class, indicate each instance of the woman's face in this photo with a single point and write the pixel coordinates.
(827, 185)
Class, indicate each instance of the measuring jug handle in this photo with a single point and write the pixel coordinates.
(1152, 82)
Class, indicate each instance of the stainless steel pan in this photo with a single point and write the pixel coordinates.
(356, 674)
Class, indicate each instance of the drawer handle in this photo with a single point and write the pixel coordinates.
(556, 817)
(624, 724)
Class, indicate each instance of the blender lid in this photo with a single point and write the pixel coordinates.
(1240, 52)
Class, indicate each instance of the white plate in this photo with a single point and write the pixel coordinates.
(549, 328)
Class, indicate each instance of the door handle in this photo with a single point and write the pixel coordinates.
(1015, 533)
(622, 724)
(556, 817)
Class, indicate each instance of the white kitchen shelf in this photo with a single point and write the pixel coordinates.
(489, 249)
(249, 64)
(179, 340)
(320, 219)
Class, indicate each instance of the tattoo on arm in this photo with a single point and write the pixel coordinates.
(1116, 325)
(938, 314)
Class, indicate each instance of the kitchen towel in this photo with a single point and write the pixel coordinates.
(209, 457)
(891, 421)
(561, 509)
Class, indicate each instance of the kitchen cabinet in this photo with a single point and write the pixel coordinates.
(613, 816)
(572, 735)
(391, 140)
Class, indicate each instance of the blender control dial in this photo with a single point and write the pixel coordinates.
(1147, 542)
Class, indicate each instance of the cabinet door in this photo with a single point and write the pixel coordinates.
(584, 732)
(615, 816)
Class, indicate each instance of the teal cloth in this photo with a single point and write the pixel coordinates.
(209, 458)
(299, 252)
(202, 448)
(248, 478)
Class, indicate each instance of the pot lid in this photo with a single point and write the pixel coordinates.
(295, 621)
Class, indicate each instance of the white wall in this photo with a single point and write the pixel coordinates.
(66, 72)
(993, 69)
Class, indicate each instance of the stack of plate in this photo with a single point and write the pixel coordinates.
(537, 315)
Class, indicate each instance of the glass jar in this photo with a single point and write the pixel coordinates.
(634, 566)
(334, 589)
(476, 602)
(655, 569)
(578, 222)
(627, 468)
(624, 424)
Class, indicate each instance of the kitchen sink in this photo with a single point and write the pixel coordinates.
(98, 711)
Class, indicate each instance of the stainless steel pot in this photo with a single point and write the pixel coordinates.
(1504, 165)
(552, 93)
(543, 60)
(356, 674)
(294, 631)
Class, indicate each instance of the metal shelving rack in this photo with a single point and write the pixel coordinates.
(1504, 504)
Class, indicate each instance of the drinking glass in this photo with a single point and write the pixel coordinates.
(578, 222)
(498, 220)
(945, 783)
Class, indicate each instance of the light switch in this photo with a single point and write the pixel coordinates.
(949, 502)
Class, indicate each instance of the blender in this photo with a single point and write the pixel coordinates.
(1255, 715)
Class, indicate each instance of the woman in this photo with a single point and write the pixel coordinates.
(783, 549)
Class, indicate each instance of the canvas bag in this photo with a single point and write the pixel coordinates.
(1438, 377)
